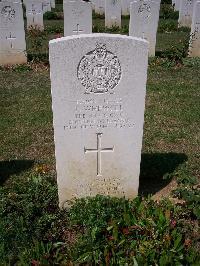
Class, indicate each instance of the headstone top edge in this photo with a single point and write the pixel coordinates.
(95, 35)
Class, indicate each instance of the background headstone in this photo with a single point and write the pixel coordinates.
(185, 13)
(112, 13)
(144, 17)
(100, 7)
(53, 5)
(77, 17)
(12, 35)
(98, 94)
(46, 5)
(34, 14)
(126, 7)
(177, 5)
(194, 48)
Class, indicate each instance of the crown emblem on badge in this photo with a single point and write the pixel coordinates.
(99, 71)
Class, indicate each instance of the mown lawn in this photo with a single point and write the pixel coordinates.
(101, 230)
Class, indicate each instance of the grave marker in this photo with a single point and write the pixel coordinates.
(125, 7)
(194, 47)
(100, 7)
(113, 13)
(12, 35)
(34, 14)
(77, 17)
(46, 5)
(144, 17)
(53, 5)
(98, 95)
(185, 13)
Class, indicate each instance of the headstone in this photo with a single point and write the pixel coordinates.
(34, 14)
(53, 5)
(112, 13)
(144, 17)
(177, 5)
(12, 35)
(194, 47)
(98, 93)
(46, 5)
(126, 7)
(93, 4)
(77, 17)
(185, 13)
(100, 7)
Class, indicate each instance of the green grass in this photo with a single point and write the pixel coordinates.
(101, 230)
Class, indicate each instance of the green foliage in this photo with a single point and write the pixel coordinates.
(177, 52)
(167, 25)
(192, 62)
(119, 232)
(22, 68)
(36, 39)
(97, 16)
(167, 12)
(51, 15)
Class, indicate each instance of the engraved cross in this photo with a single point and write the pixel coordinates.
(98, 151)
(11, 38)
(77, 30)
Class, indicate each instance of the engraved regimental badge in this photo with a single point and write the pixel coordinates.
(145, 10)
(8, 13)
(99, 71)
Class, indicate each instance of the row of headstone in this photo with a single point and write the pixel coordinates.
(46, 4)
(99, 6)
(35, 10)
(144, 17)
(78, 19)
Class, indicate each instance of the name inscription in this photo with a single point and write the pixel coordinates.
(90, 113)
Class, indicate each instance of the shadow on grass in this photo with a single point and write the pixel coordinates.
(8, 168)
(154, 166)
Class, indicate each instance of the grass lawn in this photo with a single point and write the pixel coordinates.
(101, 230)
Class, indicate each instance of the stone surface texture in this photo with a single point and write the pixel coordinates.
(194, 47)
(46, 5)
(144, 17)
(125, 4)
(113, 13)
(77, 17)
(98, 84)
(53, 4)
(34, 14)
(99, 7)
(12, 35)
(185, 13)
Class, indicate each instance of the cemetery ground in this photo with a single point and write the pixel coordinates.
(158, 230)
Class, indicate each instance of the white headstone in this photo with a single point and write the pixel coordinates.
(98, 93)
(126, 7)
(53, 5)
(46, 5)
(185, 13)
(100, 7)
(34, 14)
(112, 13)
(144, 17)
(194, 48)
(12, 35)
(177, 5)
(77, 17)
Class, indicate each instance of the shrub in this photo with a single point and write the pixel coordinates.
(50, 15)
(167, 12)
(167, 25)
